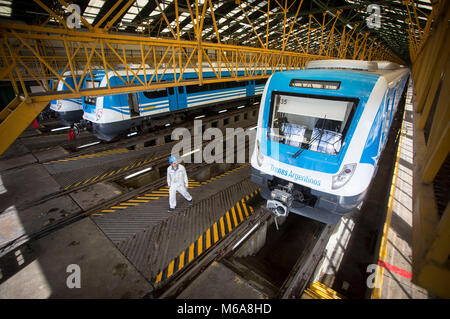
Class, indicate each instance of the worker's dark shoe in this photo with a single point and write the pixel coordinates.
(171, 210)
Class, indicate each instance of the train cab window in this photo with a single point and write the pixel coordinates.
(171, 91)
(133, 104)
(306, 122)
(92, 100)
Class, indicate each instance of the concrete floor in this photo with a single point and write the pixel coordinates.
(40, 270)
(396, 282)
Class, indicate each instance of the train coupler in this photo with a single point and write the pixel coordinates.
(280, 204)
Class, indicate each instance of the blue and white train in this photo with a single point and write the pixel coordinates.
(320, 133)
(113, 115)
(68, 111)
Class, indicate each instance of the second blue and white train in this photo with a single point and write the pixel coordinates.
(113, 115)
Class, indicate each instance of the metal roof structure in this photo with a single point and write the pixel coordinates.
(242, 22)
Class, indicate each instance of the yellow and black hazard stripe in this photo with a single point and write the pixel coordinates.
(225, 174)
(221, 228)
(143, 198)
(103, 153)
(319, 291)
(94, 155)
(100, 177)
(156, 194)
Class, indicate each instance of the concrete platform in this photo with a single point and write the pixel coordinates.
(17, 162)
(95, 194)
(47, 155)
(397, 264)
(359, 257)
(15, 222)
(40, 270)
(26, 184)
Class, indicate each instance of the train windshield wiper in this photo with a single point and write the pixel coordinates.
(318, 135)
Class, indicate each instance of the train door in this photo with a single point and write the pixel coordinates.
(173, 101)
(250, 88)
(133, 104)
(182, 97)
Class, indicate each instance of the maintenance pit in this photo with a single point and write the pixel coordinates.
(263, 264)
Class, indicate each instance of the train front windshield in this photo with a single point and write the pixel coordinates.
(316, 124)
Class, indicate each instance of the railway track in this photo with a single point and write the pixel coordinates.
(75, 148)
(155, 158)
(81, 213)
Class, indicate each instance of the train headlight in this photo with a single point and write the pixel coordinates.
(343, 177)
(282, 196)
(259, 156)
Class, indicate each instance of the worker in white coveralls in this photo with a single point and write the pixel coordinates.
(178, 182)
